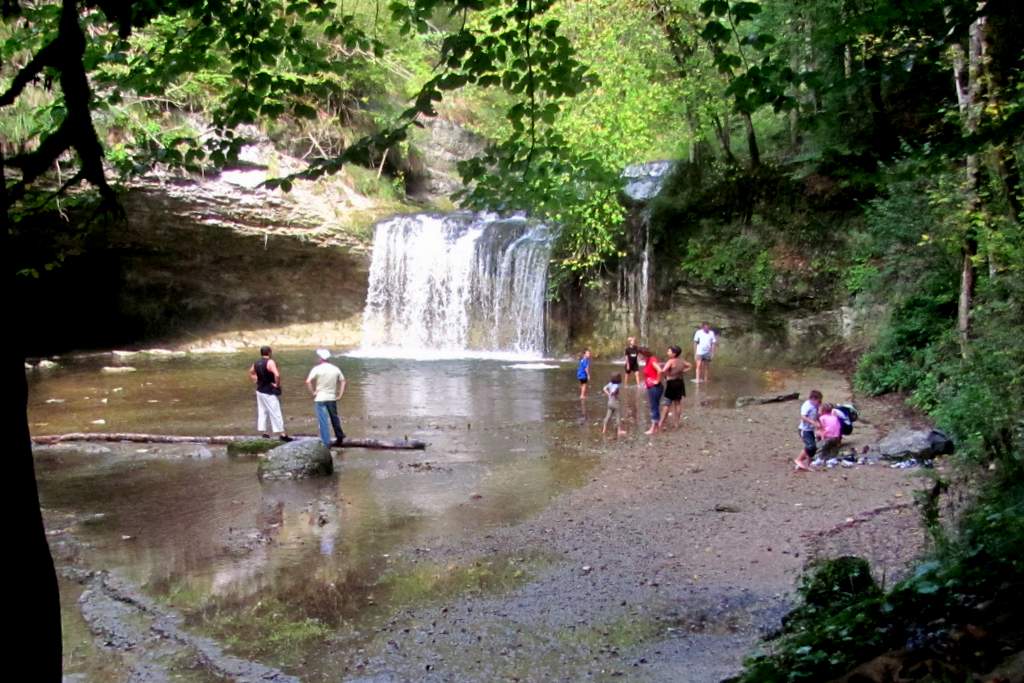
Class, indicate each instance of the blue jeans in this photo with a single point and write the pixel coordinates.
(327, 416)
(654, 398)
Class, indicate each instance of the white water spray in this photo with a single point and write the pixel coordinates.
(456, 284)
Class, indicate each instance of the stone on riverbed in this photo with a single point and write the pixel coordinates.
(914, 443)
(297, 460)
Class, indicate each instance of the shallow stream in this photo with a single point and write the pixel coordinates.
(275, 570)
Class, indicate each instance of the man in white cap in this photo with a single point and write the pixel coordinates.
(327, 385)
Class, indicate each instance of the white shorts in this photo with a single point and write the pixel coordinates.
(268, 407)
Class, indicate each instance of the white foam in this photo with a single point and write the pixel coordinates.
(441, 354)
(532, 366)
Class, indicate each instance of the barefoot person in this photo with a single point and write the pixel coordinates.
(808, 423)
(632, 364)
(675, 386)
(583, 373)
(705, 343)
(652, 380)
(327, 385)
(267, 377)
(611, 390)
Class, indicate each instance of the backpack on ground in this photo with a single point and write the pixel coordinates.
(847, 415)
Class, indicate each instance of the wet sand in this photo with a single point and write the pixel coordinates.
(677, 555)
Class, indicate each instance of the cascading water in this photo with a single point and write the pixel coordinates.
(457, 283)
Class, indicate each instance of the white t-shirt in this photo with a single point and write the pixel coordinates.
(325, 378)
(810, 411)
(704, 341)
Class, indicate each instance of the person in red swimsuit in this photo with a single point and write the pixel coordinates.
(652, 380)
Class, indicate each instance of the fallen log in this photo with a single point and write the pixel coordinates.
(136, 437)
(761, 400)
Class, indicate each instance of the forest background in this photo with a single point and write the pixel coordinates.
(839, 152)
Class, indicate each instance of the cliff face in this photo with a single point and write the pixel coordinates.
(220, 262)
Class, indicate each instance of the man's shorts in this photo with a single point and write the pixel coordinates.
(704, 357)
(810, 445)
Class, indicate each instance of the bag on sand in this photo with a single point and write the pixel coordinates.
(847, 415)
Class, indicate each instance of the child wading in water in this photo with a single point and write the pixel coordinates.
(611, 390)
(583, 372)
(808, 423)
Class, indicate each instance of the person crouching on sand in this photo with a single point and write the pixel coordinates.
(831, 432)
(808, 423)
(611, 390)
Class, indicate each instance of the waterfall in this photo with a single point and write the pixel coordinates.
(457, 283)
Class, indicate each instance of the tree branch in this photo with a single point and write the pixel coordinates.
(47, 56)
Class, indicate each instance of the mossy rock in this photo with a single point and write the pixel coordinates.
(252, 446)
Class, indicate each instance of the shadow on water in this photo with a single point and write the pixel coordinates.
(275, 570)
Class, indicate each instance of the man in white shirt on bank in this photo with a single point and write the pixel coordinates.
(705, 343)
(327, 384)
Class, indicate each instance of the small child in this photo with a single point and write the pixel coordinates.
(611, 390)
(830, 432)
(808, 423)
(583, 372)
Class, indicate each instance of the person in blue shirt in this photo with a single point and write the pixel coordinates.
(583, 372)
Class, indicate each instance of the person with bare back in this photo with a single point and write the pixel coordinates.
(675, 386)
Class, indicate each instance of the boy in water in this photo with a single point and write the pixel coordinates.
(808, 423)
(583, 373)
(611, 390)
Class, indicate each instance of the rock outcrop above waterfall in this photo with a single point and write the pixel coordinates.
(644, 181)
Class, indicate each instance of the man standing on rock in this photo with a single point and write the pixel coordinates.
(267, 377)
(327, 385)
(704, 345)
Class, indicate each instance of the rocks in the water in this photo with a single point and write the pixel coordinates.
(914, 443)
(297, 460)
(759, 400)
(45, 364)
(117, 369)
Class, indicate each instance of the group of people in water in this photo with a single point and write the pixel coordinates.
(664, 381)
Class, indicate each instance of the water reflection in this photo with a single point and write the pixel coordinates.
(206, 536)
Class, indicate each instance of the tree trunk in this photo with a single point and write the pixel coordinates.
(34, 579)
(725, 139)
(755, 152)
(136, 437)
(967, 75)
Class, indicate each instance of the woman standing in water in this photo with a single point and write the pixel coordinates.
(652, 380)
(675, 387)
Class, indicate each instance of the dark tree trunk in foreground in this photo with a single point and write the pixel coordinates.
(35, 615)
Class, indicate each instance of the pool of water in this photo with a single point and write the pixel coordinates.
(325, 558)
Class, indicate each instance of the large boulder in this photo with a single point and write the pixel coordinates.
(914, 443)
(297, 460)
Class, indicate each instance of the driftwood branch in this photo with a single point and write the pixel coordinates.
(761, 400)
(136, 437)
